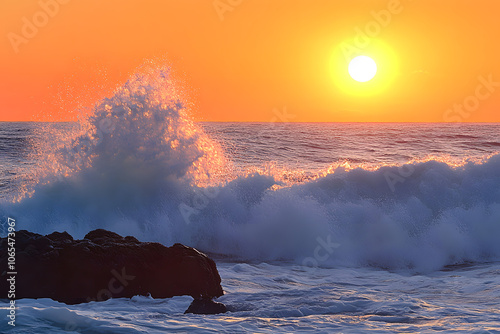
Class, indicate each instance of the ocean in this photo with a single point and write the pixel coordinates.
(315, 227)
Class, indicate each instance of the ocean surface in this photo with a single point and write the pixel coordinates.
(315, 227)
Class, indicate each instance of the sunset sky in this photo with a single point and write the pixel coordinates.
(243, 60)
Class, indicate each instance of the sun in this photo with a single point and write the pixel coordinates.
(366, 72)
(362, 68)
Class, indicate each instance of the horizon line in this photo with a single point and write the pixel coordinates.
(280, 122)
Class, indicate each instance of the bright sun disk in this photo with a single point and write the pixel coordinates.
(362, 68)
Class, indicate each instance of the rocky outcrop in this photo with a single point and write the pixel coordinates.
(105, 265)
(205, 306)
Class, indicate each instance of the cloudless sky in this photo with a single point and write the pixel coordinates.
(243, 60)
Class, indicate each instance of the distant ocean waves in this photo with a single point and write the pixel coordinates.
(311, 147)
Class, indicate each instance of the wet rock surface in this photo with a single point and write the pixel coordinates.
(206, 306)
(106, 265)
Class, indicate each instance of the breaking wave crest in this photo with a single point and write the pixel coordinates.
(138, 165)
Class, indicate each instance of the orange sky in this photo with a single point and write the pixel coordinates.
(246, 58)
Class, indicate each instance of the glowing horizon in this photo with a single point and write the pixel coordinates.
(249, 61)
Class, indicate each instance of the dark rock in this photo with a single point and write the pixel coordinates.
(131, 239)
(105, 265)
(60, 237)
(103, 236)
(206, 306)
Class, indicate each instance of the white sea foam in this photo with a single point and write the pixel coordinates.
(139, 166)
(279, 298)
